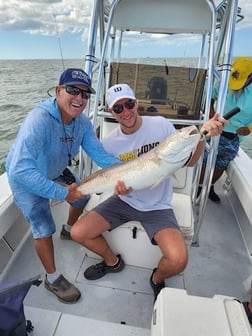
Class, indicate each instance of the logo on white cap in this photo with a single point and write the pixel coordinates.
(117, 89)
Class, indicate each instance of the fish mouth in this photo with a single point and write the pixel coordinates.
(194, 131)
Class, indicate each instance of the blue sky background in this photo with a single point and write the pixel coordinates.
(28, 29)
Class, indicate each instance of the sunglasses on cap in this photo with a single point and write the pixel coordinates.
(75, 91)
(129, 104)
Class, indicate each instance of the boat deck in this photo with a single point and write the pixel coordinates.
(219, 265)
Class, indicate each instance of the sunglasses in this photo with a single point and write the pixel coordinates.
(75, 91)
(118, 108)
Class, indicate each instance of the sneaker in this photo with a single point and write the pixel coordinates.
(156, 287)
(199, 191)
(213, 196)
(63, 289)
(247, 311)
(64, 234)
(97, 271)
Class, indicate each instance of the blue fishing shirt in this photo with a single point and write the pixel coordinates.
(244, 102)
(40, 151)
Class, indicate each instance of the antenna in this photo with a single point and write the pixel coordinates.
(58, 36)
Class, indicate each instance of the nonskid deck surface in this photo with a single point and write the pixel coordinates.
(52, 323)
(219, 265)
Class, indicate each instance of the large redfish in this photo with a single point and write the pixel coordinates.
(150, 168)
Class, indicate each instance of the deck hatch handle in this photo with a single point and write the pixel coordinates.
(134, 232)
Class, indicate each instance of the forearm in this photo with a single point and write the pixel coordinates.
(213, 127)
(31, 180)
(212, 111)
(197, 153)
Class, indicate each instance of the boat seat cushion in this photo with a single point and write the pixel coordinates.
(130, 239)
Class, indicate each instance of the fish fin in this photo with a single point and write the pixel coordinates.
(99, 172)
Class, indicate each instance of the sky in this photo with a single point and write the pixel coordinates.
(52, 29)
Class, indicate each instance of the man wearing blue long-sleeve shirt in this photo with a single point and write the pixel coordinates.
(47, 142)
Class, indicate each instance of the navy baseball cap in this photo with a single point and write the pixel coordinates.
(73, 76)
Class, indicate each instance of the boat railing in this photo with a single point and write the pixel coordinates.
(201, 20)
(221, 9)
(143, 16)
(222, 57)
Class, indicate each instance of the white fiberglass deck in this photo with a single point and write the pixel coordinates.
(220, 265)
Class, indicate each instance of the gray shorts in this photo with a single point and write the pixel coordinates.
(117, 212)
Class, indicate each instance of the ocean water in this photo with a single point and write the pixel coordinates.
(23, 84)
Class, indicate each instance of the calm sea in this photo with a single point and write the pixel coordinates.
(23, 83)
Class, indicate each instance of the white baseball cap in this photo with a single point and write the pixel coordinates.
(117, 92)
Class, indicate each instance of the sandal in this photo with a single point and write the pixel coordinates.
(97, 271)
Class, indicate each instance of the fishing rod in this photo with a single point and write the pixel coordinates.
(231, 113)
(227, 116)
(59, 42)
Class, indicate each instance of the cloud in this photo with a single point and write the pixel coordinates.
(65, 18)
(45, 17)
(42, 16)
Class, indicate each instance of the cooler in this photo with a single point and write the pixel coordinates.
(176, 313)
